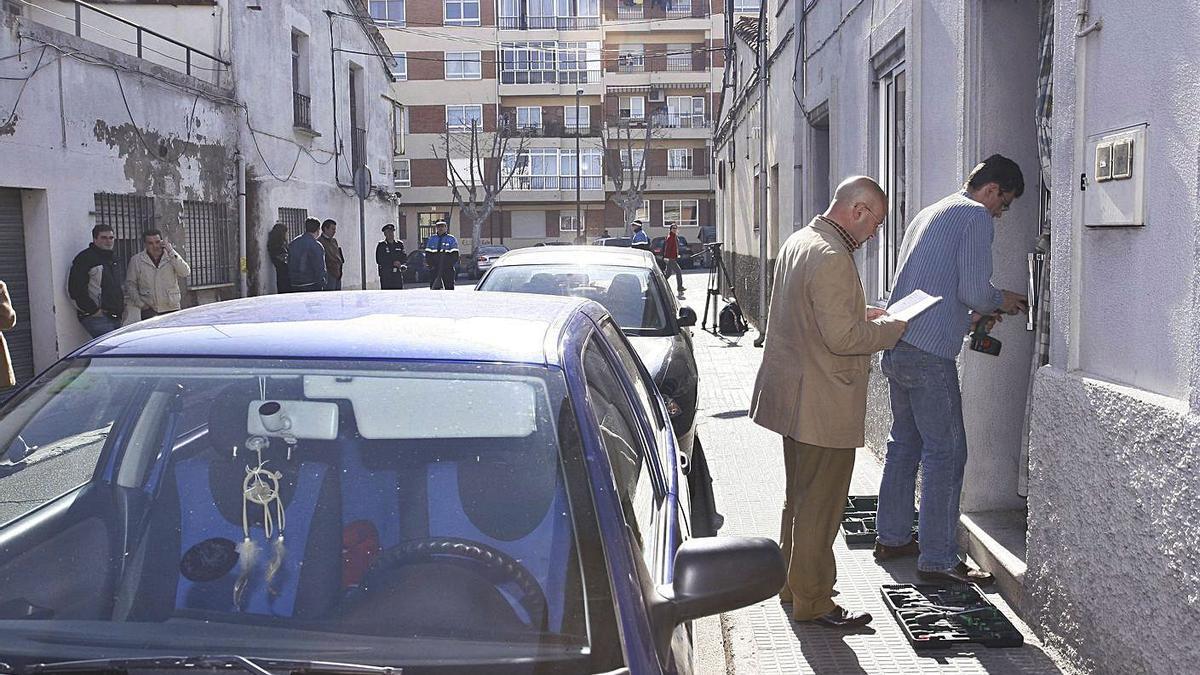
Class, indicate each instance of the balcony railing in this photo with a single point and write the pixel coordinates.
(681, 173)
(631, 65)
(680, 66)
(358, 147)
(629, 11)
(678, 9)
(586, 182)
(301, 110)
(555, 183)
(578, 22)
(143, 40)
(681, 121)
(554, 130)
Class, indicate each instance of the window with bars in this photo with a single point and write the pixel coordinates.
(568, 223)
(294, 220)
(211, 247)
(679, 56)
(129, 216)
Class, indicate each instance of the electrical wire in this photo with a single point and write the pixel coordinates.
(12, 115)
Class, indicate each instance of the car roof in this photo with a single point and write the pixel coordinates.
(413, 325)
(577, 255)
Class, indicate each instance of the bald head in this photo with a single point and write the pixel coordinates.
(859, 205)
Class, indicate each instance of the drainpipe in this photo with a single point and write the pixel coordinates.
(242, 236)
(763, 234)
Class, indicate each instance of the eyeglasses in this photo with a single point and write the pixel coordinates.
(872, 212)
(1007, 203)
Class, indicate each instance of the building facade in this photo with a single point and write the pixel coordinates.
(188, 118)
(1082, 432)
(632, 86)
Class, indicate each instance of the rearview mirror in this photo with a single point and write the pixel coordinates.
(687, 316)
(717, 574)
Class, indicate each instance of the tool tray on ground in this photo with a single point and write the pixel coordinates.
(858, 521)
(937, 617)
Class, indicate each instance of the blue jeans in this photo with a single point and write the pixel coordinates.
(927, 432)
(99, 324)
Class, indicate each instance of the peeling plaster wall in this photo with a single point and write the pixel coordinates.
(1113, 545)
(289, 168)
(72, 137)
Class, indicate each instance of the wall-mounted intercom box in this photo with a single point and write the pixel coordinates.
(1114, 194)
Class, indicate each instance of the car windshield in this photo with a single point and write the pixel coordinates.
(386, 513)
(630, 294)
(493, 250)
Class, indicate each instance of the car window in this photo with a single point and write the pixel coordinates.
(628, 293)
(644, 387)
(357, 461)
(53, 434)
(624, 444)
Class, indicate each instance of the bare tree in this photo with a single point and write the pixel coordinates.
(629, 176)
(493, 158)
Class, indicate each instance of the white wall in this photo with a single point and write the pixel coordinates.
(73, 137)
(291, 168)
(1113, 547)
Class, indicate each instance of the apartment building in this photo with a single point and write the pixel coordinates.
(604, 106)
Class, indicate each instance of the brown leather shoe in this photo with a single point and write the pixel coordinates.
(892, 552)
(960, 573)
(840, 617)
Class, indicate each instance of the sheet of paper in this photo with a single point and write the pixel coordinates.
(912, 304)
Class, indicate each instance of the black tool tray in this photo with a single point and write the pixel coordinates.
(936, 616)
(858, 522)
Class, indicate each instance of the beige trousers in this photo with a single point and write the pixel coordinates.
(818, 480)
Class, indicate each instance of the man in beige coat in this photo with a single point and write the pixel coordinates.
(8, 319)
(812, 387)
(152, 280)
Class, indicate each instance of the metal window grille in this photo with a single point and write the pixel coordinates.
(129, 216)
(294, 219)
(301, 110)
(210, 242)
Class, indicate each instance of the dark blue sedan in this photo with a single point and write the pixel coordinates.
(350, 482)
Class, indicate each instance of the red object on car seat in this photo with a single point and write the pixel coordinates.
(360, 545)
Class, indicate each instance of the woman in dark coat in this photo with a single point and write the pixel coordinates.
(277, 249)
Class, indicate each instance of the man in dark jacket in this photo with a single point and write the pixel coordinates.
(334, 260)
(441, 254)
(390, 257)
(306, 260)
(95, 284)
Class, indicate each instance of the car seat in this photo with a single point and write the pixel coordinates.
(189, 559)
(624, 300)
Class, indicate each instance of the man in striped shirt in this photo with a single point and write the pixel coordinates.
(947, 252)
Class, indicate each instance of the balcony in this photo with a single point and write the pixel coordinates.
(681, 121)
(631, 65)
(681, 173)
(679, 9)
(555, 183)
(358, 147)
(301, 111)
(554, 130)
(681, 66)
(629, 11)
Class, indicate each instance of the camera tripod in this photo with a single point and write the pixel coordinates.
(716, 273)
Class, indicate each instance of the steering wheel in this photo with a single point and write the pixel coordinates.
(495, 565)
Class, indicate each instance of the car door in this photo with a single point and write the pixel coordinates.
(662, 525)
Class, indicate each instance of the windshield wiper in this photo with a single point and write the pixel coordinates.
(258, 666)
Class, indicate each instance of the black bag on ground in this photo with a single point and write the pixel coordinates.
(731, 321)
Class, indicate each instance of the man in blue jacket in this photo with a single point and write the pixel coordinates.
(306, 260)
(441, 255)
(640, 239)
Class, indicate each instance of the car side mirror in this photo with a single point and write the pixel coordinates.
(687, 316)
(714, 575)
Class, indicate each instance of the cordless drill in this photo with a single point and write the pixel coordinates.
(981, 341)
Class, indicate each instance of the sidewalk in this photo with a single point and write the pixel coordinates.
(746, 463)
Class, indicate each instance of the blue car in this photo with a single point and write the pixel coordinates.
(356, 482)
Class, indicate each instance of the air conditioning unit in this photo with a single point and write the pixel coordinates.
(657, 96)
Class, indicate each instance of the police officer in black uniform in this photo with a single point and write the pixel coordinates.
(391, 257)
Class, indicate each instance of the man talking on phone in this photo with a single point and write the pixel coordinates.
(152, 282)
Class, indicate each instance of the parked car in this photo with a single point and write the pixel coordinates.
(482, 259)
(632, 287)
(418, 272)
(493, 488)
(613, 241)
(686, 251)
(553, 242)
